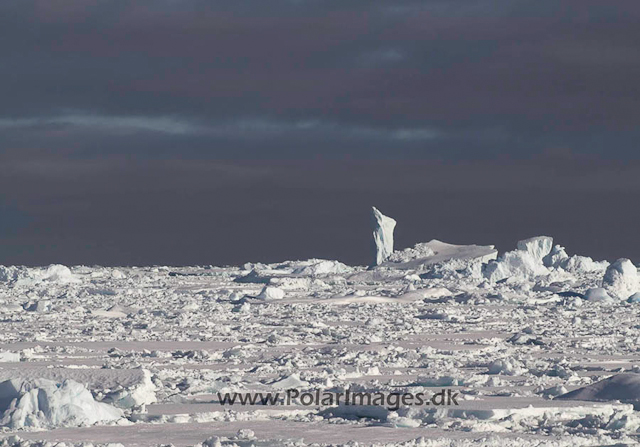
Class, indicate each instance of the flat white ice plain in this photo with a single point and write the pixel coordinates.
(136, 356)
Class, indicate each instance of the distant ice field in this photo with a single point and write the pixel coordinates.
(543, 348)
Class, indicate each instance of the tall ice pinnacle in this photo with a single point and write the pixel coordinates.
(383, 227)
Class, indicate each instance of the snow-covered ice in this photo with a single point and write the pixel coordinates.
(518, 264)
(271, 293)
(542, 347)
(621, 279)
(597, 294)
(43, 403)
(620, 387)
(538, 247)
(383, 227)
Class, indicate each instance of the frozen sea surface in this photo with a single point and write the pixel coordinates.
(137, 356)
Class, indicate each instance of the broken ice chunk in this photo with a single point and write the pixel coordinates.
(621, 279)
(538, 247)
(271, 293)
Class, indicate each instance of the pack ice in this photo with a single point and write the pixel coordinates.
(540, 345)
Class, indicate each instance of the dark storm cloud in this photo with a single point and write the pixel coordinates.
(132, 131)
(524, 67)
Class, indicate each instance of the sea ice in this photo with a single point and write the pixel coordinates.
(538, 247)
(271, 293)
(317, 267)
(383, 227)
(597, 294)
(8, 356)
(54, 273)
(42, 403)
(289, 382)
(622, 387)
(555, 257)
(40, 306)
(434, 254)
(12, 273)
(58, 273)
(532, 259)
(621, 279)
(635, 298)
(581, 265)
(506, 366)
(426, 317)
(139, 394)
(518, 264)
(420, 250)
(524, 263)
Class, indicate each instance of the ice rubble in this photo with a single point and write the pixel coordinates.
(12, 273)
(42, 403)
(420, 294)
(621, 279)
(58, 273)
(383, 227)
(537, 257)
(54, 273)
(537, 247)
(320, 267)
(420, 250)
(426, 254)
(518, 264)
(526, 262)
(128, 389)
(581, 264)
(141, 393)
(555, 257)
(292, 272)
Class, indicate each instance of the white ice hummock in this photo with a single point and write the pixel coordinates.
(524, 263)
(271, 293)
(538, 247)
(621, 279)
(137, 395)
(383, 227)
(42, 403)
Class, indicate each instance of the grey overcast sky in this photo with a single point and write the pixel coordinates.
(219, 132)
